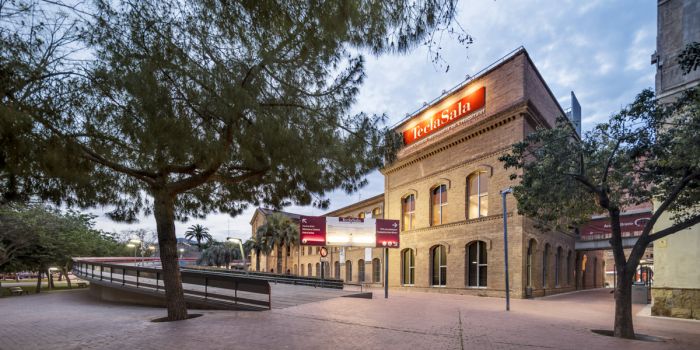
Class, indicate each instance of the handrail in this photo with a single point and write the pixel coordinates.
(218, 288)
(310, 281)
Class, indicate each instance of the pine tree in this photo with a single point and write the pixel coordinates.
(186, 108)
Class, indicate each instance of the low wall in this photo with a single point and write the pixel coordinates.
(129, 295)
(676, 302)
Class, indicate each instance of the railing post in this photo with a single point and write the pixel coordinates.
(102, 270)
(235, 293)
(206, 287)
(157, 277)
(111, 279)
(123, 276)
(93, 270)
(138, 272)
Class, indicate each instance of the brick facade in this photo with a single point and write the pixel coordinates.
(517, 101)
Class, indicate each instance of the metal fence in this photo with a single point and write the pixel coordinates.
(325, 282)
(204, 285)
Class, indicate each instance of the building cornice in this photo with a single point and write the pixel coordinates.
(507, 115)
(375, 199)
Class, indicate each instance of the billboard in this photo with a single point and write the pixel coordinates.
(450, 114)
(348, 232)
(312, 230)
(630, 224)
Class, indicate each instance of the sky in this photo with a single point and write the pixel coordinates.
(599, 49)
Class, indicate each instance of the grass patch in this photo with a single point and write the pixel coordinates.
(5, 291)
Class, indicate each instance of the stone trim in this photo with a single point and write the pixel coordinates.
(458, 223)
(516, 112)
(452, 168)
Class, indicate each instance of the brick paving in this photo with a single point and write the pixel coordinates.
(72, 320)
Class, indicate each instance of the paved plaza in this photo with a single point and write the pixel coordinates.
(73, 320)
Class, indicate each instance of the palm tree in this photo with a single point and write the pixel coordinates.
(218, 254)
(259, 245)
(281, 232)
(199, 233)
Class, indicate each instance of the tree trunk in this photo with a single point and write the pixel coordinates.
(286, 260)
(624, 327)
(257, 261)
(38, 281)
(64, 272)
(49, 279)
(279, 259)
(164, 212)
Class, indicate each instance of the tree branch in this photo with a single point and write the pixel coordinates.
(675, 228)
(609, 163)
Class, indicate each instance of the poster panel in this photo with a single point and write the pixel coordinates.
(312, 230)
(387, 235)
(350, 232)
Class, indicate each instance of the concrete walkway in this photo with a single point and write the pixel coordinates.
(71, 320)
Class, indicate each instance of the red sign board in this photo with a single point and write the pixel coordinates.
(312, 230)
(465, 106)
(631, 226)
(387, 233)
(348, 232)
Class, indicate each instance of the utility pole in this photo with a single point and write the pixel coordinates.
(504, 193)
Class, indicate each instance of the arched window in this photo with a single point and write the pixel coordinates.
(569, 272)
(438, 269)
(336, 266)
(438, 201)
(407, 267)
(476, 260)
(376, 270)
(557, 268)
(311, 250)
(361, 215)
(478, 190)
(408, 212)
(377, 213)
(545, 262)
(530, 262)
(303, 251)
(318, 269)
(309, 270)
(360, 270)
(348, 271)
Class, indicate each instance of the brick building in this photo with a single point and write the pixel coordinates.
(445, 188)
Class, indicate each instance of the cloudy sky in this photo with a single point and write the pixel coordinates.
(599, 49)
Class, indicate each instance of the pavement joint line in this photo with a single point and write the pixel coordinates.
(528, 345)
(316, 318)
(461, 335)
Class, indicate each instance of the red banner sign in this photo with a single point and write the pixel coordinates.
(348, 232)
(631, 226)
(465, 106)
(387, 233)
(312, 230)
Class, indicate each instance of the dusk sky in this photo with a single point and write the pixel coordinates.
(599, 49)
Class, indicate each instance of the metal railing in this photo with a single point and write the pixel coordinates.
(326, 282)
(204, 285)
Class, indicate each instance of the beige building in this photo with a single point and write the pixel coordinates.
(445, 188)
(676, 288)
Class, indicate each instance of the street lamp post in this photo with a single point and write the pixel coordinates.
(137, 242)
(131, 245)
(504, 193)
(240, 246)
